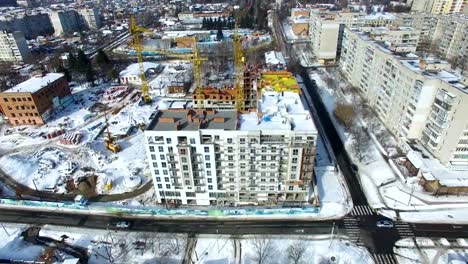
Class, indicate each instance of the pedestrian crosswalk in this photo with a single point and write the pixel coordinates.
(384, 259)
(404, 229)
(362, 210)
(352, 229)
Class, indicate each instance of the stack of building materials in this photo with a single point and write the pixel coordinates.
(71, 138)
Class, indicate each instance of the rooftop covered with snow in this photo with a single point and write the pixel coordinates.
(134, 69)
(278, 111)
(35, 84)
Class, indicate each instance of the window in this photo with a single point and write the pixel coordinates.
(168, 186)
(229, 140)
(166, 179)
(183, 152)
(165, 172)
(161, 149)
(295, 152)
(231, 179)
(153, 157)
(210, 187)
(230, 158)
(187, 182)
(293, 168)
(164, 164)
(186, 174)
(184, 167)
(208, 165)
(160, 186)
(291, 188)
(183, 159)
(168, 140)
(151, 148)
(156, 172)
(155, 164)
(216, 137)
(158, 179)
(207, 157)
(272, 180)
(208, 173)
(192, 141)
(162, 157)
(242, 140)
(294, 160)
(210, 180)
(170, 149)
(207, 149)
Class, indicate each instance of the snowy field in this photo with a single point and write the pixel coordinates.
(426, 250)
(45, 158)
(384, 186)
(130, 247)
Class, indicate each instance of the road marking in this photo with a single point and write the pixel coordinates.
(362, 210)
(384, 258)
(404, 229)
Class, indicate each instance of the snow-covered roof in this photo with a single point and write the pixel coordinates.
(134, 69)
(415, 159)
(380, 16)
(273, 57)
(433, 170)
(35, 84)
(281, 111)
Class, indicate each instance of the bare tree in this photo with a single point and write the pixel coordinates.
(360, 143)
(263, 248)
(345, 114)
(114, 248)
(296, 252)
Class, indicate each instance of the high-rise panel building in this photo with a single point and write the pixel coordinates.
(66, 21)
(13, 47)
(439, 6)
(32, 24)
(416, 98)
(91, 18)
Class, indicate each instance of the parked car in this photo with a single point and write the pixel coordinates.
(123, 224)
(354, 168)
(384, 224)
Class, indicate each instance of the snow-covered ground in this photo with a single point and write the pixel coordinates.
(426, 250)
(34, 158)
(384, 186)
(133, 247)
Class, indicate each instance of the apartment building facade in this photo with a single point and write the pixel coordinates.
(91, 18)
(405, 91)
(324, 32)
(451, 37)
(439, 6)
(13, 47)
(32, 23)
(225, 157)
(424, 22)
(30, 102)
(66, 21)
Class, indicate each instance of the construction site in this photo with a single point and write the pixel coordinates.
(99, 142)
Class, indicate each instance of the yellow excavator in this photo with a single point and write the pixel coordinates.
(110, 140)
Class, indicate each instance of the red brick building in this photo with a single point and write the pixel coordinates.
(28, 102)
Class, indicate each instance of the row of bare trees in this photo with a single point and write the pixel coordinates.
(117, 247)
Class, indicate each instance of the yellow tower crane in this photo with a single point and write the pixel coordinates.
(239, 63)
(194, 57)
(135, 30)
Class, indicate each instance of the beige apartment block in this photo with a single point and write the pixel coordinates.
(420, 99)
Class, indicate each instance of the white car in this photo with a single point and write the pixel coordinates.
(122, 224)
(384, 224)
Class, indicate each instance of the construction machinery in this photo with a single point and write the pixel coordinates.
(194, 57)
(135, 31)
(110, 140)
(239, 63)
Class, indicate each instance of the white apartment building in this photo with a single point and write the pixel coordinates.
(208, 157)
(13, 47)
(405, 92)
(91, 17)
